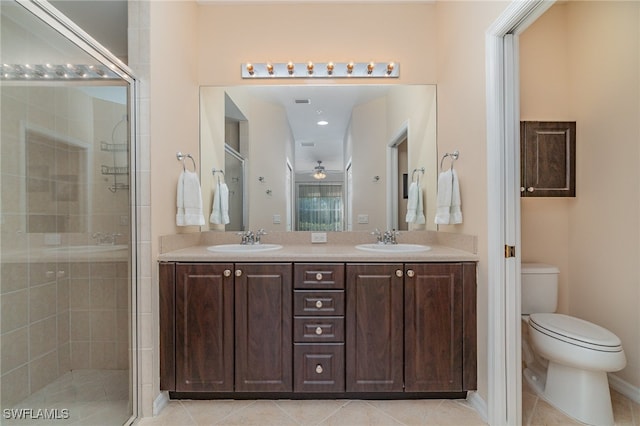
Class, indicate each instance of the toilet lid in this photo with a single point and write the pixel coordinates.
(576, 331)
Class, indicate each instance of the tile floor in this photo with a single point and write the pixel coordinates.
(536, 412)
(91, 397)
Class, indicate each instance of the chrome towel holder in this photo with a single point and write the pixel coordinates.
(181, 157)
(452, 155)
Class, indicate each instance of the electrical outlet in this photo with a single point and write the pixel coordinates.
(276, 219)
(363, 218)
(318, 237)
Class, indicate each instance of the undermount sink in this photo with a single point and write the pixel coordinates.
(243, 248)
(393, 248)
(86, 248)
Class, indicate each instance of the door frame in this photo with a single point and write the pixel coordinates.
(503, 200)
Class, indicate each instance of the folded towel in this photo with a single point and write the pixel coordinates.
(415, 207)
(189, 200)
(220, 210)
(448, 209)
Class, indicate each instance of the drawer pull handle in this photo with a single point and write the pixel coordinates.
(410, 273)
(318, 276)
(398, 273)
(319, 369)
(319, 331)
(227, 272)
(238, 272)
(319, 304)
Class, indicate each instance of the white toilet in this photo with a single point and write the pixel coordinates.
(567, 359)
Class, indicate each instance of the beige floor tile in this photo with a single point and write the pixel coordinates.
(546, 415)
(622, 409)
(213, 412)
(408, 412)
(260, 413)
(359, 413)
(173, 414)
(310, 412)
(454, 413)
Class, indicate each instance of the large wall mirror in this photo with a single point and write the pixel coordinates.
(318, 157)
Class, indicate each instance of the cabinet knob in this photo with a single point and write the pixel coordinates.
(238, 272)
(318, 331)
(398, 272)
(530, 189)
(227, 272)
(319, 276)
(411, 273)
(319, 369)
(522, 189)
(319, 304)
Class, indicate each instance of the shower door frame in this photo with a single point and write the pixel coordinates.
(68, 29)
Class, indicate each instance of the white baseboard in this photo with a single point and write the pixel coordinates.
(625, 388)
(480, 405)
(160, 402)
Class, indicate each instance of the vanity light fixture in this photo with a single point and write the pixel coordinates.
(312, 69)
(390, 67)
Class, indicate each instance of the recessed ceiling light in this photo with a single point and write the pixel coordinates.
(322, 123)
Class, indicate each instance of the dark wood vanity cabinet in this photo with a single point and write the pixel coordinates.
(309, 328)
(199, 339)
(411, 327)
(375, 342)
(548, 158)
(439, 327)
(263, 327)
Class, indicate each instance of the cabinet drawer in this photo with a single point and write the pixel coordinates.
(318, 367)
(318, 329)
(314, 303)
(319, 275)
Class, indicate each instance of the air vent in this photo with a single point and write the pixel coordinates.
(308, 144)
(303, 101)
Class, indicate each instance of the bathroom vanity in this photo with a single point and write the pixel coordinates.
(313, 322)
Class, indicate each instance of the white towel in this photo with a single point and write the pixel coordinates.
(220, 209)
(189, 200)
(415, 207)
(448, 209)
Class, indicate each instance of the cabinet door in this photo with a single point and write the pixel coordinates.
(433, 327)
(548, 158)
(374, 342)
(204, 327)
(263, 328)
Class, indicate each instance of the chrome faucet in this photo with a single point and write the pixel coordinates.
(386, 237)
(105, 238)
(249, 237)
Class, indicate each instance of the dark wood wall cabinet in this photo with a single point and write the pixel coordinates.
(548, 158)
(317, 329)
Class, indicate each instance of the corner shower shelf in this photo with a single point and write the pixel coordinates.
(115, 170)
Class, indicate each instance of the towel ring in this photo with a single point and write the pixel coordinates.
(453, 156)
(214, 171)
(421, 169)
(180, 156)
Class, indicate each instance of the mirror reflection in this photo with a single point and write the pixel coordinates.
(318, 157)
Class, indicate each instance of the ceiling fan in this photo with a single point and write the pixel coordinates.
(319, 171)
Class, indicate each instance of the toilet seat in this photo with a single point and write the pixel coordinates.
(576, 332)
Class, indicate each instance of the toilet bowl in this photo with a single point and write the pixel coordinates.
(567, 358)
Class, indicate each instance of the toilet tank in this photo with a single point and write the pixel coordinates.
(539, 290)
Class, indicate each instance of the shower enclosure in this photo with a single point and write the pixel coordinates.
(67, 279)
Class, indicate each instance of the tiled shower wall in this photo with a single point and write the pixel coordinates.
(64, 314)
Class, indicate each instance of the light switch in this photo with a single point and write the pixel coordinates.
(363, 218)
